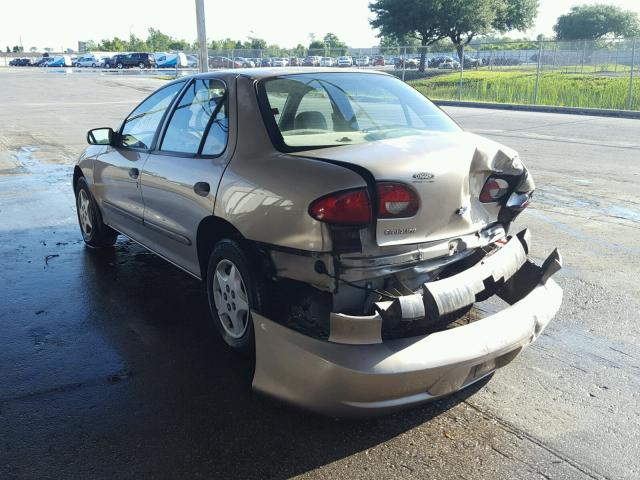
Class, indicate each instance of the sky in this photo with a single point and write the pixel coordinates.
(59, 24)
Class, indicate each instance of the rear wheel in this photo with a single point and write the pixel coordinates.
(141, 64)
(234, 289)
(120, 66)
(94, 232)
(93, 65)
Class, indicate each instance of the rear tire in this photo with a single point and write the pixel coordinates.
(120, 66)
(94, 232)
(141, 65)
(234, 289)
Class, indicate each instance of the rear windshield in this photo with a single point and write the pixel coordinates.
(312, 110)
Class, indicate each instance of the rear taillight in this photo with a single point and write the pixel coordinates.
(494, 189)
(396, 200)
(348, 207)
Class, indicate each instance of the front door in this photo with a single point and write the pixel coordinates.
(117, 171)
(181, 176)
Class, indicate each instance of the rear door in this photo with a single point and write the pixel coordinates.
(117, 171)
(181, 176)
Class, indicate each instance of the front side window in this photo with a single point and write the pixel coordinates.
(200, 114)
(331, 109)
(140, 127)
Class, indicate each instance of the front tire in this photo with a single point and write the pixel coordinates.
(234, 289)
(141, 65)
(94, 232)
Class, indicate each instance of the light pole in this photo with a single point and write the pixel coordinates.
(202, 36)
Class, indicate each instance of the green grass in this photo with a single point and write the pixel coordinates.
(558, 89)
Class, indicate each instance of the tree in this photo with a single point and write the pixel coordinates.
(417, 19)
(8, 49)
(33, 49)
(158, 41)
(316, 45)
(595, 22)
(136, 44)
(257, 43)
(459, 20)
(18, 49)
(466, 19)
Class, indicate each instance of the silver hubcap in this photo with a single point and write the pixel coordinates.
(230, 297)
(84, 213)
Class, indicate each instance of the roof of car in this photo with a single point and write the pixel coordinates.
(268, 72)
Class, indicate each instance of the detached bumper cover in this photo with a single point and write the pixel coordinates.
(360, 380)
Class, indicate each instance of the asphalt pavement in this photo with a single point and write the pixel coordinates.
(110, 368)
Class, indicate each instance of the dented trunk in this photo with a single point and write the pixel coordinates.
(446, 170)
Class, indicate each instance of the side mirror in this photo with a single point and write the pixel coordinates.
(101, 136)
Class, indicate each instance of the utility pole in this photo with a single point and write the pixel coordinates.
(633, 66)
(202, 37)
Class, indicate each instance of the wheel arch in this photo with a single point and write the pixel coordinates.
(77, 173)
(212, 229)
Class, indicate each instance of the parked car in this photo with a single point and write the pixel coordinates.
(135, 59)
(378, 61)
(295, 62)
(244, 62)
(363, 61)
(449, 64)
(471, 62)
(311, 61)
(20, 62)
(408, 63)
(327, 62)
(282, 229)
(223, 62)
(88, 60)
(434, 62)
(279, 62)
(265, 62)
(42, 61)
(107, 62)
(344, 61)
(193, 61)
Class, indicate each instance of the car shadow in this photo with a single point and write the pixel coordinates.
(177, 401)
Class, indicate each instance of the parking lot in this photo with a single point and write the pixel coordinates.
(109, 367)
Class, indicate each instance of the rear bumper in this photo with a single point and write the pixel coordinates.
(361, 380)
(357, 373)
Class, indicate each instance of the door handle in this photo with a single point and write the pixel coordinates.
(202, 189)
(134, 172)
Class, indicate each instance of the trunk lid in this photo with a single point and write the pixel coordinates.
(447, 170)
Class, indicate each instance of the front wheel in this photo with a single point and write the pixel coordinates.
(94, 232)
(234, 289)
(120, 66)
(141, 65)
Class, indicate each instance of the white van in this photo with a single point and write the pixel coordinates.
(171, 60)
(60, 61)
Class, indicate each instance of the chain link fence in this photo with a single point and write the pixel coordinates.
(586, 73)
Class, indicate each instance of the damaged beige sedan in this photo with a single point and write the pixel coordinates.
(348, 232)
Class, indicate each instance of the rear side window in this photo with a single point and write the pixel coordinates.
(199, 121)
(140, 127)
